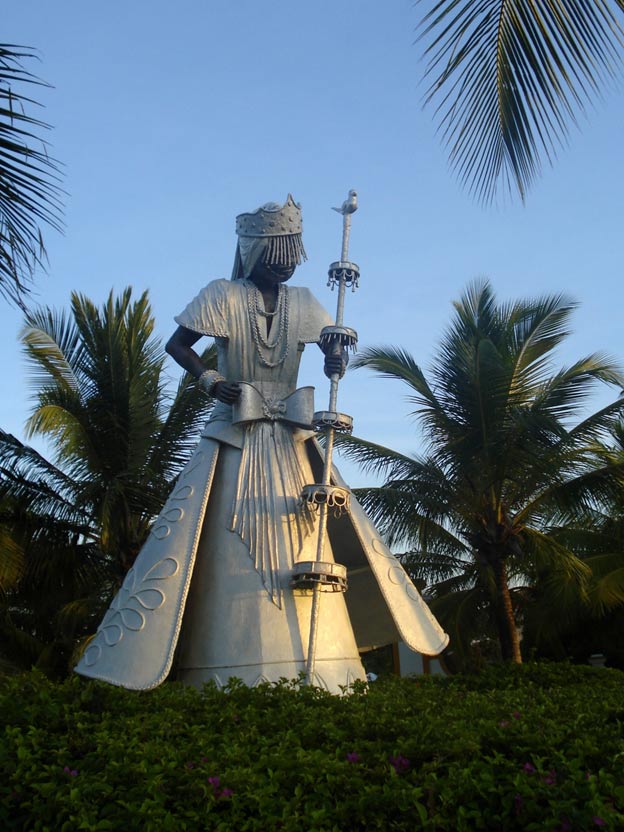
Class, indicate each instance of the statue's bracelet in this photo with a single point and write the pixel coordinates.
(209, 379)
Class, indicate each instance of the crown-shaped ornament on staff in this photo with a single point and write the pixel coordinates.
(320, 575)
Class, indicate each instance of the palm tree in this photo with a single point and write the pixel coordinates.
(586, 622)
(505, 467)
(29, 178)
(73, 526)
(508, 77)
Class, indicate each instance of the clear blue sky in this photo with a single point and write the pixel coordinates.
(172, 118)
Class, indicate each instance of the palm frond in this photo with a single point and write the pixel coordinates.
(12, 561)
(510, 76)
(178, 434)
(410, 514)
(19, 460)
(597, 424)
(441, 572)
(464, 617)
(30, 192)
(574, 499)
(549, 556)
(374, 458)
(534, 330)
(393, 362)
(567, 390)
(606, 591)
(52, 347)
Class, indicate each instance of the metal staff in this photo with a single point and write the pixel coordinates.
(320, 575)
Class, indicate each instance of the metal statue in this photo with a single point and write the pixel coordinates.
(259, 523)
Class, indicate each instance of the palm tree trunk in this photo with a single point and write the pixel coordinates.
(505, 620)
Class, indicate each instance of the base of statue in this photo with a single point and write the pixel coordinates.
(332, 675)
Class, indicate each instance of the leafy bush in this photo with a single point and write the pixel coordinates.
(535, 747)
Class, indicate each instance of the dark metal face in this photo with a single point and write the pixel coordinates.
(272, 273)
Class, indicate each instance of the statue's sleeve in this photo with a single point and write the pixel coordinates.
(207, 313)
(312, 317)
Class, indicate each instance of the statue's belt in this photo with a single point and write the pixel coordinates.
(266, 401)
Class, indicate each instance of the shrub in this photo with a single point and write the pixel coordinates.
(534, 747)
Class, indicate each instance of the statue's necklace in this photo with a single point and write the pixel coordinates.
(255, 305)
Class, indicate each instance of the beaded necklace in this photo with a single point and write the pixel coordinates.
(255, 305)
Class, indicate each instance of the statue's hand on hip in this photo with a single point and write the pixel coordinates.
(226, 392)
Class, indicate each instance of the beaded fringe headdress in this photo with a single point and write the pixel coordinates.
(272, 231)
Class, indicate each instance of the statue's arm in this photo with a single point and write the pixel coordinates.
(315, 318)
(180, 348)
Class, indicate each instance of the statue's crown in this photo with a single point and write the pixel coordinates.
(271, 220)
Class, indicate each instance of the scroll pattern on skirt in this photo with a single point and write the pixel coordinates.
(143, 592)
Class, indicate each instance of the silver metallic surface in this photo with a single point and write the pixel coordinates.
(328, 576)
(335, 497)
(208, 379)
(272, 233)
(214, 579)
(264, 401)
(134, 644)
(341, 422)
(342, 336)
(271, 220)
(349, 206)
(345, 272)
(339, 275)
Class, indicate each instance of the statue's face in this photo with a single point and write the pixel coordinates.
(272, 273)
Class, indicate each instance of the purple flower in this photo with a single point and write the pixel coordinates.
(529, 768)
(518, 804)
(598, 821)
(516, 714)
(71, 772)
(504, 723)
(189, 765)
(566, 826)
(203, 759)
(399, 763)
(218, 792)
(353, 757)
(551, 778)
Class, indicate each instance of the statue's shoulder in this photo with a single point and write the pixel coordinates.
(302, 294)
(220, 286)
(208, 312)
(218, 291)
(310, 314)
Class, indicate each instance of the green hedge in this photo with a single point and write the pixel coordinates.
(537, 747)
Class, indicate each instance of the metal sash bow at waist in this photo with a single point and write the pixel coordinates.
(267, 401)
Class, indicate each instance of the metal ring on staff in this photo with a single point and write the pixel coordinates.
(311, 574)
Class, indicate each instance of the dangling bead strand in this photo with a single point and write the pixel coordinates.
(281, 337)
